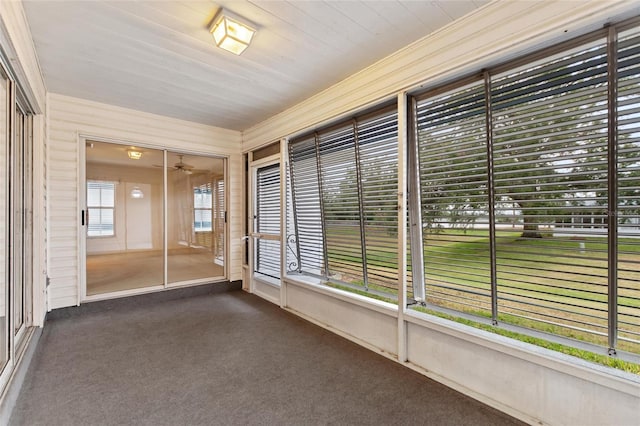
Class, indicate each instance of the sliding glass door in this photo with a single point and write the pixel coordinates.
(4, 229)
(195, 217)
(16, 227)
(124, 218)
(20, 157)
(149, 225)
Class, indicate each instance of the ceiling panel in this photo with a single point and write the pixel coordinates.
(158, 56)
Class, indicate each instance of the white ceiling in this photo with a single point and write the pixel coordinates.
(158, 56)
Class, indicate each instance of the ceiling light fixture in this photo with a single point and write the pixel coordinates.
(230, 33)
(134, 154)
(136, 192)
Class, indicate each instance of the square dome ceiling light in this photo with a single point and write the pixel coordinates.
(230, 33)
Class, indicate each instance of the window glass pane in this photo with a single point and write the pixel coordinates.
(344, 195)
(267, 258)
(101, 203)
(550, 150)
(378, 154)
(341, 205)
(306, 203)
(4, 247)
(628, 212)
(455, 204)
(125, 214)
(107, 196)
(195, 221)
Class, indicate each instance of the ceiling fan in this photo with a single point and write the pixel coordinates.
(180, 166)
(183, 167)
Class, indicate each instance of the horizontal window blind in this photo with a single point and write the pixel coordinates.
(344, 200)
(455, 210)
(378, 155)
(550, 151)
(520, 224)
(337, 159)
(267, 220)
(305, 183)
(100, 208)
(628, 211)
(219, 210)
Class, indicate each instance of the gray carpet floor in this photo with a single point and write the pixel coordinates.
(223, 359)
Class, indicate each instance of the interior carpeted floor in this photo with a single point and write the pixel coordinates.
(108, 273)
(223, 359)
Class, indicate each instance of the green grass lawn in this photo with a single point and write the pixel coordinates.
(554, 279)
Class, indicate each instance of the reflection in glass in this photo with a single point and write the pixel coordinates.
(125, 230)
(195, 217)
(19, 166)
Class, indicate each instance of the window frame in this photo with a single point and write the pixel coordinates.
(101, 208)
(202, 209)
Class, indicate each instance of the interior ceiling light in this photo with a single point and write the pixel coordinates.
(136, 192)
(134, 154)
(230, 33)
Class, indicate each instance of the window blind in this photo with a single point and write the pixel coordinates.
(267, 220)
(455, 208)
(550, 153)
(344, 194)
(628, 211)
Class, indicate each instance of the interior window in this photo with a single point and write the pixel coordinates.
(100, 207)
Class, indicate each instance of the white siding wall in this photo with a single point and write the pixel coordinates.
(70, 118)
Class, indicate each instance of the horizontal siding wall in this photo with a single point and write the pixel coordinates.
(488, 36)
(69, 118)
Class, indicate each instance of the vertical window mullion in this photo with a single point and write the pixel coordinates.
(612, 201)
(491, 193)
(323, 221)
(415, 217)
(294, 210)
(363, 241)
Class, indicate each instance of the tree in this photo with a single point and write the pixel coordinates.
(549, 126)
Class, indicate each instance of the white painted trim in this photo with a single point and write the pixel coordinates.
(367, 302)
(259, 281)
(253, 176)
(475, 395)
(154, 289)
(265, 161)
(82, 206)
(341, 333)
(165, 222)
(284, 160)
(402, 225)
(190, 283)
(39, 273)
(605, 376)
(47, 218)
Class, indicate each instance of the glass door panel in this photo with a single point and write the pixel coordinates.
(267, 221)
(124, 218)
(4, 243)
(195, 217)
(20, 235)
